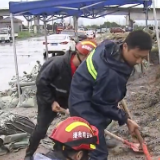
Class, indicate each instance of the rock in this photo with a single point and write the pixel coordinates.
(3, 93)
(6, 99)
(117, 150)
(5, 102)
(10, 92)
(111, 143)
(1, 104)
(14, 103)
(29, 103)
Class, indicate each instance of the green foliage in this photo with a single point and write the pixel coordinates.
(104, 25)
(24, 34)
(136, 27)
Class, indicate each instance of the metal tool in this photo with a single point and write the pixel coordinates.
(134, 146)
(138, 134)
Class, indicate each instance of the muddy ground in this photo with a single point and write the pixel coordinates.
(143, 99)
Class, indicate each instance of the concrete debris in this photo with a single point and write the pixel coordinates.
(112, 36)
(9, 98)
(14, 132)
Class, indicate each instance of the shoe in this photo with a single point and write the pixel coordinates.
(111, 143)
(28, 158)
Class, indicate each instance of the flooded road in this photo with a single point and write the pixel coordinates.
(28, 52)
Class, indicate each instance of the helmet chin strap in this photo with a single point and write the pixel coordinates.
(79, 58)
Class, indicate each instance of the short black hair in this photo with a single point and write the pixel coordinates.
(139, 39)
(66, 151)
(61, 147)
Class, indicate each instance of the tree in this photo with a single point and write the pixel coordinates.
(104, 25)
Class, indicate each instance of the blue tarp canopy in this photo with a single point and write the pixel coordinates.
(84, 8)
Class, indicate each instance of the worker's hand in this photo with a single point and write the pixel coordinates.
(132, 126)
(67, 111)
(119, 106)
(56, 107)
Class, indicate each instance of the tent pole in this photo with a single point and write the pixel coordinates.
(146, 19)
(15, 58)
(156, 25)
(45, 34)
(75, 22)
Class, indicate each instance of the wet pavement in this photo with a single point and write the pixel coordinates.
(28, 52)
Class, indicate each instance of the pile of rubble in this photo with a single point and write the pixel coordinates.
(112, 36)
(14, 132)
(9, 98)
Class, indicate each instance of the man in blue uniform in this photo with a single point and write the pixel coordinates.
(100, 83)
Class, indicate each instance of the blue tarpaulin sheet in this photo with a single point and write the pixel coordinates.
(66, 7)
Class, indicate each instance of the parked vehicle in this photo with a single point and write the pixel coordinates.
(59, 28)
(69, 32)
(81, 29)
(128, 29)
(5, 35)
(81, 35)
(117, 30)
(104, 30)
(58, 44)
(90, 34)
(98, 31)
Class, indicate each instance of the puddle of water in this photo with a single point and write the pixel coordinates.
(28, 52)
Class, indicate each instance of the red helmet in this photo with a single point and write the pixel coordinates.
(86, 46)
(76, 133)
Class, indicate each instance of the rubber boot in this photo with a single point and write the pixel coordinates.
(28, 158)
(29, 154)
(111, 143)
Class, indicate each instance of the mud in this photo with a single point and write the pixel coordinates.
(144, 103)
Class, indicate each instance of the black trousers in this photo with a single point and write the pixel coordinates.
(44, 119)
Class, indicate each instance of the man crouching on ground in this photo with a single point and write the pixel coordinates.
(73, 139)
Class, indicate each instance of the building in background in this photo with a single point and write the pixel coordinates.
(6, 23)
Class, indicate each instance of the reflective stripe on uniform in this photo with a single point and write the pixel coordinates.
(90, 65)
(88, 42)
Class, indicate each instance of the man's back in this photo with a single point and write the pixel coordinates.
(96, 99)
(53, 81)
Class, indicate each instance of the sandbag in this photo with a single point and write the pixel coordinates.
(12, 124)
(14, 132)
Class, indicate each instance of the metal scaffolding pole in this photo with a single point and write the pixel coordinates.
(156, 25)
(146, 20)
(45, 35)
(15, 58)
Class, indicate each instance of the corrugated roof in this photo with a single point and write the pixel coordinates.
(8, 20)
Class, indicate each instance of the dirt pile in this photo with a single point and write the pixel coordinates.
(112, 36)
(154, 58)
(144, 103)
